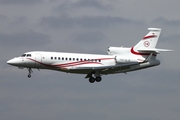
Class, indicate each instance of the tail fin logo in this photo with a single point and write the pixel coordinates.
(146, 43)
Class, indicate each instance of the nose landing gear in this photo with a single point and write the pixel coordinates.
(30, 71)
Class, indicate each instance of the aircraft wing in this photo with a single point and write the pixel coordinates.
(104, 69)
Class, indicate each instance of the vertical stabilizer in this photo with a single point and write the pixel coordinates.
(150, 40)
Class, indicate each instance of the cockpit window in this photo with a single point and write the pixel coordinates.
(23, 55)
(28, 55)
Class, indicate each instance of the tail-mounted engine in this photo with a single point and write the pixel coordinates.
(120, 59)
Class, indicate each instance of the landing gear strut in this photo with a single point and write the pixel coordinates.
(30, 71)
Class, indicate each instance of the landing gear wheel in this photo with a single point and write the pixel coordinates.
(29, 76)
(98, 79)
(91, 80)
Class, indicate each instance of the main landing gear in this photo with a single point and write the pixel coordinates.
(30, 71)
(97, 79)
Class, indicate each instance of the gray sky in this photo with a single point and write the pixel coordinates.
(88, 26)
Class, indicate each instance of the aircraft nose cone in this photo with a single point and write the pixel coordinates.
(13, 61)
(16, 62)
(10, 62)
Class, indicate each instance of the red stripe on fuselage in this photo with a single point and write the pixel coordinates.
(76, 63)
(71, 63)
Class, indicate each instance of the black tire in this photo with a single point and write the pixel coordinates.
(92, 80)
(29, 76)
(98, 79)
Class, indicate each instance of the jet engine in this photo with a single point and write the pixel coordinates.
(120, 59)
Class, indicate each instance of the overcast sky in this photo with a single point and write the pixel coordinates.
(88, 26)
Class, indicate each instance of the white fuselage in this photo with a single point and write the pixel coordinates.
(80, 63)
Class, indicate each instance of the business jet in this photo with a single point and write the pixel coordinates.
(119, 59)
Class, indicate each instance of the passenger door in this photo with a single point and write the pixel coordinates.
(38, 62)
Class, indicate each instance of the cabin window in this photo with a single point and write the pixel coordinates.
(51, 58)
(55, 58)
(77, 59)
(59, 58)
(73, 59)
(62, 58)
(66, 58)
(70, 59)
(81, 59)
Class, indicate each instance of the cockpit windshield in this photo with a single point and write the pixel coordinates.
(23, 55)
(26, 55)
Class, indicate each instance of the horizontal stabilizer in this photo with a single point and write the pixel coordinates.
(154, 50)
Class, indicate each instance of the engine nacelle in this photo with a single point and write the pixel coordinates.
(117, 50)
(120, 59)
